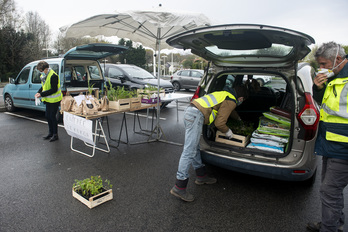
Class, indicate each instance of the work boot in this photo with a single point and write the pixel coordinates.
(54, 138)
(179, 190)
(47, 137)
(203, 178)
(315, 226)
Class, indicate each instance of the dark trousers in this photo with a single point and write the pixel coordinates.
(334, 180)
(51, 111)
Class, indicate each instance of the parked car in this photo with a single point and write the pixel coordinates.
(262, 80)
(259, 50)
(131, 76)
(186, 79)
(74, 70)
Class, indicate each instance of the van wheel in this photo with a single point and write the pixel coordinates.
(176, 86)
(9, 103)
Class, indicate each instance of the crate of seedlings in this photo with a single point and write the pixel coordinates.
(241, 133)
(119, 98)
(92, 191)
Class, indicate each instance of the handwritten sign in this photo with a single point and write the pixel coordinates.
(78, 127)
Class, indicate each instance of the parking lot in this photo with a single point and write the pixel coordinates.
(37, 177)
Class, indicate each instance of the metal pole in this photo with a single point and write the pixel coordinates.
(154, 62)
(158, 79)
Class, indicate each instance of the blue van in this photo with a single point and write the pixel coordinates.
(74, 69)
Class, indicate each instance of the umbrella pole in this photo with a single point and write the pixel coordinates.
(158, 82)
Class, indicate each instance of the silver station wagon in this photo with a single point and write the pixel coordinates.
(281, 114)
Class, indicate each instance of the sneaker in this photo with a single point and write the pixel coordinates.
(182, 194)
(205, 180)
(315, 226)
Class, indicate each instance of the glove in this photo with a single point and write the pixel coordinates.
(229, 134)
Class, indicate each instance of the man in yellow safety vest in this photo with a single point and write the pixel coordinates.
(330, 89)
(214, 107)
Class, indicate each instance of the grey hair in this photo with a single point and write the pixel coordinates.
(329, 51)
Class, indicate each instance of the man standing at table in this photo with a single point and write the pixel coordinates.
(51, 95)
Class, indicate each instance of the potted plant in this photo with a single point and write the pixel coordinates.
(91, 191)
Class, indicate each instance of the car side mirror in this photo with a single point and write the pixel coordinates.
(12, 81)
(122, 78)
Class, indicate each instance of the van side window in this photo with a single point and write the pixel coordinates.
(81, 73)
(94, 72)
(23, 76)
(36, 76)
(55, 68)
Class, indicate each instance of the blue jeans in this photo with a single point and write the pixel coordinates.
(334, 180)
(191, 155)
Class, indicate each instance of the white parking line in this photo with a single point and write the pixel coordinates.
(32, 119)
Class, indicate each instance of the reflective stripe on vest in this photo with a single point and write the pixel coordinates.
(55, 97)
(213, 99)
(212, 116)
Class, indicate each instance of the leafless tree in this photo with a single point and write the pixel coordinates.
(36, 26)
(9, 16)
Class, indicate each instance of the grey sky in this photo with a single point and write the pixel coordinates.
(323, 20)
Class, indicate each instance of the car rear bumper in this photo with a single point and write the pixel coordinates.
(278, 173)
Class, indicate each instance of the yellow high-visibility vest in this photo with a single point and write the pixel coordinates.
(212, 99)
(55, 97)
(334, 108)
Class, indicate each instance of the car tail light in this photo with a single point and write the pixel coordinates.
(299, 171)
(309, 117)
(171, 77)
(196, 94)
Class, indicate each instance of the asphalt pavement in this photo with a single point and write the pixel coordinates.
(37, 177)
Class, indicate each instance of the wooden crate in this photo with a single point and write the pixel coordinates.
(135, 103)
(122, 104)
(237, 140)
(95, 200)
(146, 94)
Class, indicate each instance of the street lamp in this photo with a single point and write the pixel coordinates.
(46, 49)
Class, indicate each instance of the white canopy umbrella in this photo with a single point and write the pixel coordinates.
(149, 27)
